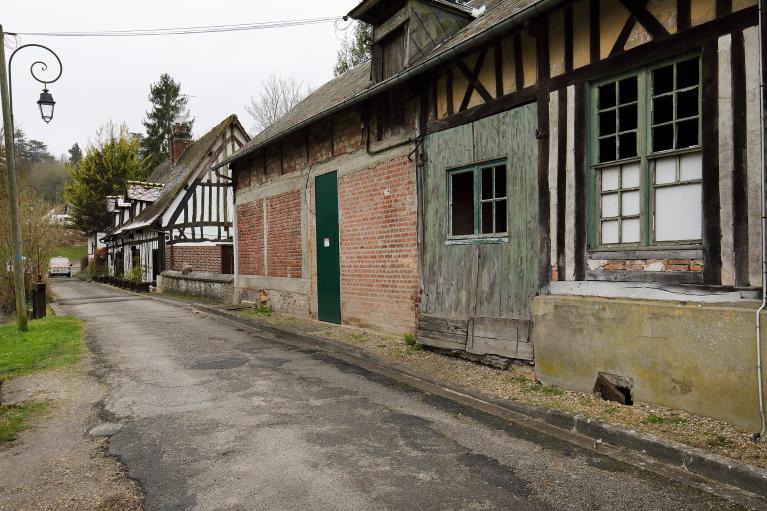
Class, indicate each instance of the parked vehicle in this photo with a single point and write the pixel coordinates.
(59, 266)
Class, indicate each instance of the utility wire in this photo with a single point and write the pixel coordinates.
(209, 29)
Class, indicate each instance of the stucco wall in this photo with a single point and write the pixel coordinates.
(699, 358)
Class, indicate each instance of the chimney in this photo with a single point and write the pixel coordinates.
(179, 141)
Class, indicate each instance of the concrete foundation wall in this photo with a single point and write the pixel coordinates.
(207, 285)
(696, 357)
(283, 295)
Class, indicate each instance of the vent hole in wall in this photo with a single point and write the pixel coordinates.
(612, 387)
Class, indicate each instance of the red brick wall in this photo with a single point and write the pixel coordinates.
(200, 258)
(284, 235)
(250, 237)
(379, 246)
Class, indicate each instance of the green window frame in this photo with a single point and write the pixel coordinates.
(645, 157)
(477, 202)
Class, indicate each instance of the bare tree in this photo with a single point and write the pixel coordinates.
(278, 95)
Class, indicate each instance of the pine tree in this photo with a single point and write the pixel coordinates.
(75, 154)
(107, 165)
(356, 51)
(168, 106)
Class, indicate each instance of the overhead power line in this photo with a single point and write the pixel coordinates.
(209, 29)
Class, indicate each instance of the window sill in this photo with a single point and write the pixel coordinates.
(477, 240)
(655, 252)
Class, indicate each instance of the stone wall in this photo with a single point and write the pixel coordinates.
(695, 357)
(207, 285)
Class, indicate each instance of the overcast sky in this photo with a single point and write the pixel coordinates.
(108, 78)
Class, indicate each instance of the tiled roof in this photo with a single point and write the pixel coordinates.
(145, 192)
(352, 84)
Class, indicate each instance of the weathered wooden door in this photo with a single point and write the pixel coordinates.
(478, 292)
(328, 252)
(227, 259)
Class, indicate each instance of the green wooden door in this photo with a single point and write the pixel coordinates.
(328, 254)
(478, 292)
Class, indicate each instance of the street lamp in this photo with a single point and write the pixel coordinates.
(46, 104)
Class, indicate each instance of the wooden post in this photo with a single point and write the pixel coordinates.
(13, 205)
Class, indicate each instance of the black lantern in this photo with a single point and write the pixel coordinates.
(46, 105)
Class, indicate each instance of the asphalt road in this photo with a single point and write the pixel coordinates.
(217, 418)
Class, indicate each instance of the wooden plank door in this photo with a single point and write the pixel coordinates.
(478, 294)
(227, 259)
(328, 250)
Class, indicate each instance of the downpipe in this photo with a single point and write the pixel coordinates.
(759, 372)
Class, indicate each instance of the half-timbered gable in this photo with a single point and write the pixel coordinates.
(183, 214)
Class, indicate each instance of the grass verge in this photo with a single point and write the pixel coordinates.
(50, 343)
(14, 418)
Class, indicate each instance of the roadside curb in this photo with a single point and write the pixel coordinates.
(570, 426)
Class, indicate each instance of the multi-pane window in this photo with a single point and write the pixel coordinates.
(647, 159)
(477, 201)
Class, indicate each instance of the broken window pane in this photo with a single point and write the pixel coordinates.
(663, 80)
(687, 134)
(607, 122)
(687, 103)
(487, 218)
(678, 213)
(687, 73)
(500, 181)
(463, 203)
(487, 183)
(500, 216)
(607, 96)
(607, 149)
(628, 145)
(628, 90)
(663, 137)
(628, 118)
(663, 109)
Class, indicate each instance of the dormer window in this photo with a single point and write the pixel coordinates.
(405, 31)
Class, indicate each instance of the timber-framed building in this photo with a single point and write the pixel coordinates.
(574, 183)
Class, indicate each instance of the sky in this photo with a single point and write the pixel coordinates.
(108, 79)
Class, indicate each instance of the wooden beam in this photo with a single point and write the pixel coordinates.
(507, 102)
(645, 18)
(623, 37)
(473, 77)
(561, 183)
(683, 15)
(568, 38)
(498, 55)
(712, 234)
(519, 70)
(449, 91)
(580, 179)
(739, 164)
(543, 71)
(594, 37)
(723, 8)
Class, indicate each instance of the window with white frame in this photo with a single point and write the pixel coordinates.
(646, 156)
(477, 201)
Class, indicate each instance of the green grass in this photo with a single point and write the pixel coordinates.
(14, 418)
(51, 342)
(73, 252)
(411, 341)
(657, 419)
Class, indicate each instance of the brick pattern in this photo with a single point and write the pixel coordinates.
(205, 258)
(658, 265)
(250, 236)
(379, 246)
(284, 235)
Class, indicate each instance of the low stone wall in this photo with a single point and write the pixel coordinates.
(283, 295)
(208, 285)
(695, 357)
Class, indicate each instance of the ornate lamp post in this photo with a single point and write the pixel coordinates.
(46, 105)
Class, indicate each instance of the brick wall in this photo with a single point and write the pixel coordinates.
(250, 236)
(200, 258)
(379, 252)
(284, 235)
